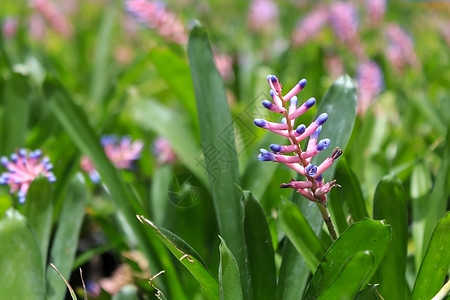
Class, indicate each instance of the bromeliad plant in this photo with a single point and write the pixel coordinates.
(313, 188)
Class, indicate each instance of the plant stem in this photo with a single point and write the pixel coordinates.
(327, 218)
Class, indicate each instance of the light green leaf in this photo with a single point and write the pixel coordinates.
(229, 278)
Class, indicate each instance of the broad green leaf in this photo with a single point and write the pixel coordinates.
(158, 197)
(369, 293)
(349, 195)
(218, 145)
(438, 199)
(15, 98)
(352, 277)
(23, 274)
(187, 256)
(366, 235)
(259, 250)
(300, 234)
(38, 209)
(175, 72)
(294, 272)
(65, 243)
(340, 105)
(390, 205)
(436, 262)
(229, 278)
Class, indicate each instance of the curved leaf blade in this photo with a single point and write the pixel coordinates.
(229, 278)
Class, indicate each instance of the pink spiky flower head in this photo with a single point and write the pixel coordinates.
(23, 168)
(163, 151)
(292, 155)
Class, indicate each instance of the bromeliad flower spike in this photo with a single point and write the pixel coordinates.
(293, 156)
(23, 168)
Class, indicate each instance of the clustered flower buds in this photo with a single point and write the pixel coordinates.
(314, 188)
(23, 168)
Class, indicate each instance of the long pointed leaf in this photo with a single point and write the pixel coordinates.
(229, 279)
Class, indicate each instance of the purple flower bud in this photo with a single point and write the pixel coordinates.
(310, 102)
(4, 161)
(300, 129)
(260, 123)
(267, 104)
(275, 147)
(322, 118)
(266, 155)
(14, 157)
(316, 133)
(311, 170)
(323, 144)
(293, 101)
(296, 89)
(23, 153)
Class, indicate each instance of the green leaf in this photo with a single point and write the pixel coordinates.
(390, 205)
(369, 293)
(187, 256)
(15, 98)
(38, 209)
(366, 235)
(23, 274)
(259, 250)
(436, 262)
(161, 180)
(217, 135)
(340, 105)
(128, 292)
(353, 275)
(300, 234)
(229, 279)
(65, 243)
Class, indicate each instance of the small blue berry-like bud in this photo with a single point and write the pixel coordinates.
(310, 102)
(321, 119)
(266, 155)
(293, 101)
(51, 177)
(4, 161)
(275, 147)
(21, 197)
(273, 78)
(323, 144)
(23, 153)
(4, 178)
(311, 170)
(267, 104)
(302, 83)
(269, 77)
(272, 93)
(300, 129)
(35, 154)
(260, 122)
(14, 157)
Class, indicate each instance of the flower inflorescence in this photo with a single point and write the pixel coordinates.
(314, 188)
(24, 167)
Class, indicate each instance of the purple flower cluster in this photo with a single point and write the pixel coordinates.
(23, 168)
(155, 15)
(370, 84)
(400, 50)
(262, 15)
(313, 188)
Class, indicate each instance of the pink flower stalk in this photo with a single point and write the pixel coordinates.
(155, 15)
(370, 84)
(310, 26)
(163, 151)
(53, 16)
(375, 10)
(344, 20)
(121, 152)
(293, 156)
(262, 15)
(400, 50)
(23, 168)
(9, 27)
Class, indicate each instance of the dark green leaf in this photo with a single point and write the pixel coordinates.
(390, 205)
(301, 235)
(369, 293)
(366, 235)
(436, 262)
(188, 257)
(217, 134)
(340, 105)
(259, 250)
(65, 242)
(229, 278)
(23, 273)
(353, 275)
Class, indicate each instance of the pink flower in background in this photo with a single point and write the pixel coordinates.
(370, 84)
(400, 50)
(224, 64)
(334, 66)
(53, 16)
(310, 26)
(155, 15)
(163, 151)
(9, 27)
(262, 15)
(375, 10)
(122, 152)
(344, 20)
(23, 168)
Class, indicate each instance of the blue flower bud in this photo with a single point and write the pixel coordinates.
(311, 170)
(293, 101)
(300, 129)
(310, 102)
(4, 161)
(23, 153)
(316, 133)
(275, 147)
(323, 144)
(283, 121)
(260, 122)
(302, 83)
(266, 155)
(267, 104)
(321, 119)
(14, 157)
